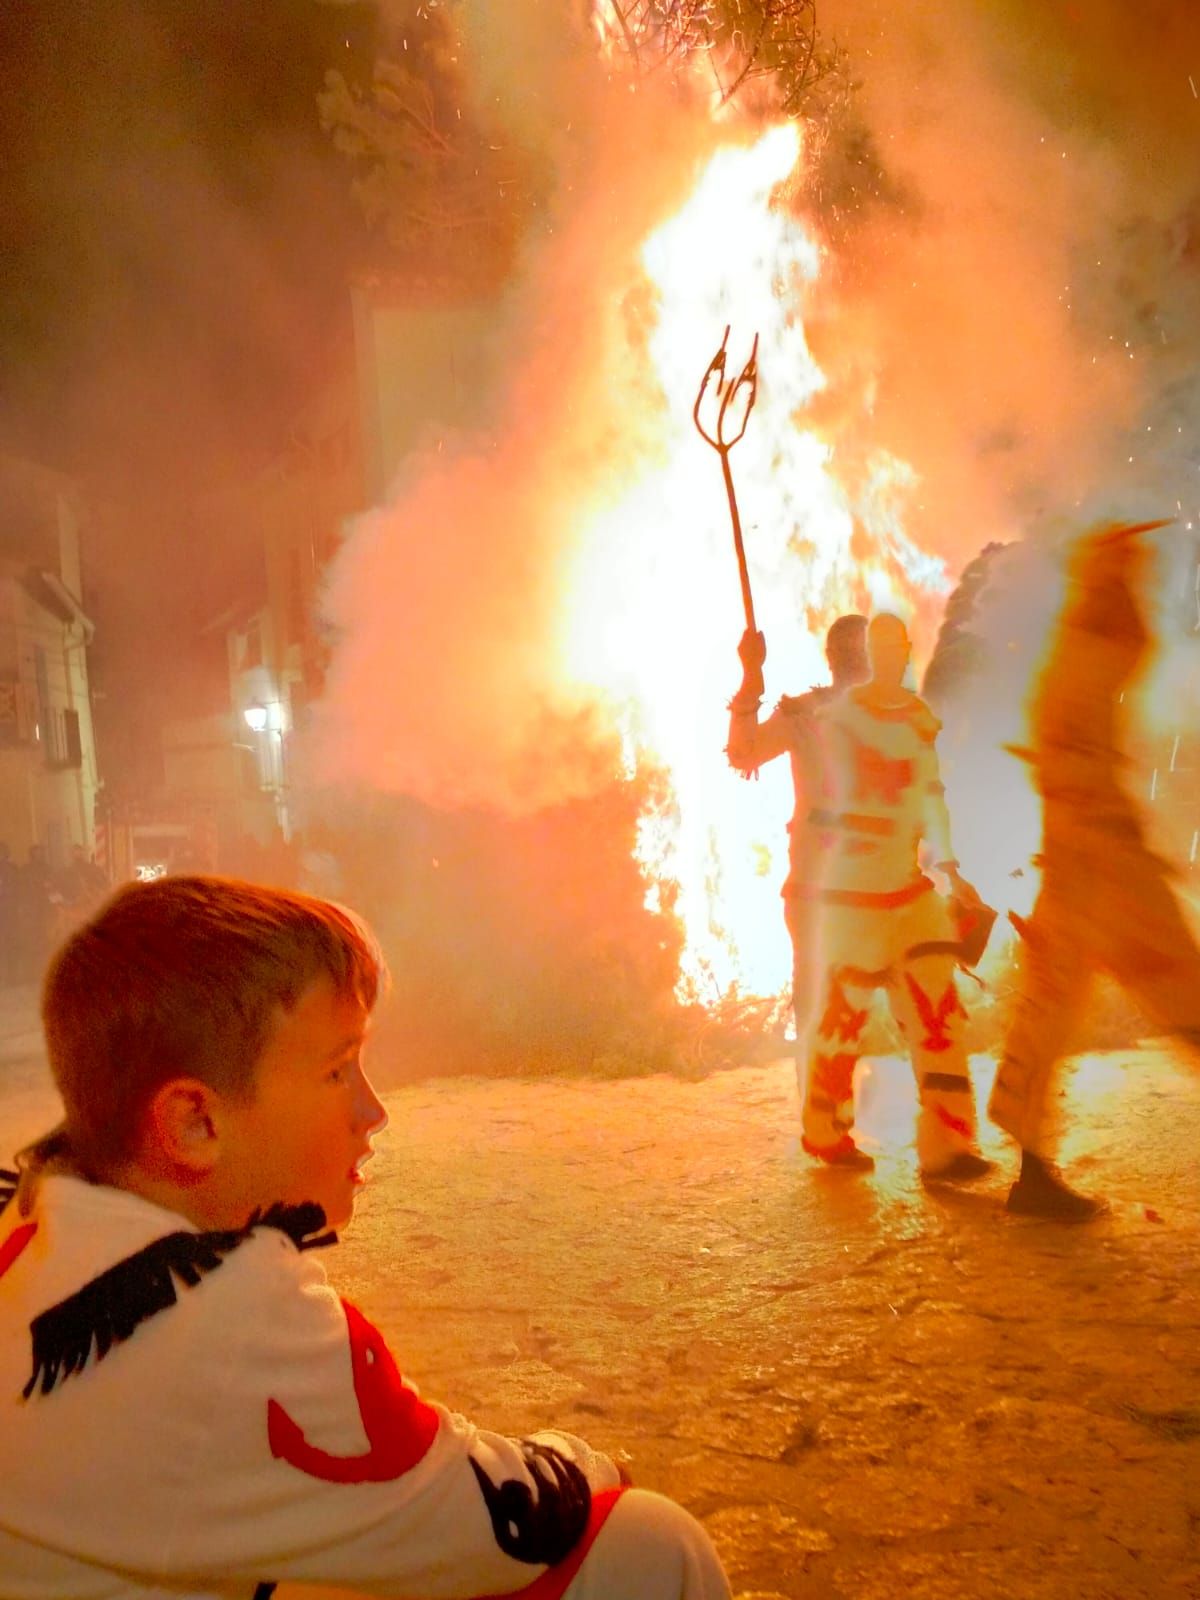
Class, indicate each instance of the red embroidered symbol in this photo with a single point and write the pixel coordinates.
(841, 1020)
(397, 1422)
(14, 1244)
(878, 776)
(834, 1075)
(936, 1021)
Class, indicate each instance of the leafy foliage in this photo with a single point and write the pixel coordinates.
(448, 196)
(742, 41)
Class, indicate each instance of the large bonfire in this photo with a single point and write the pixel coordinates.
(583, 551)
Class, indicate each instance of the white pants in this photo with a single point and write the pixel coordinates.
(650, 1549)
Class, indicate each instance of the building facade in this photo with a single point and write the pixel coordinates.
(49, 776)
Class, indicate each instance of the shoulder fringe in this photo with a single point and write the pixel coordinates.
(110, 1308)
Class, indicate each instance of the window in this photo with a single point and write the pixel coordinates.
(72, 755)
(42, 689)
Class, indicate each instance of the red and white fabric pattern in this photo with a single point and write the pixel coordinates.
(882, 800)
(200, 1414)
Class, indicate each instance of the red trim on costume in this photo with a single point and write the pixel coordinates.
(957, 1125)
(883, 900)
(829, 1152)
(556, 1580)
(399, 1425)
(856, 821)
(14, 1244)
(935, 1021)
(914, 711)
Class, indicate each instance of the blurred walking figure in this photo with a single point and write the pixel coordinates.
(752, 744)
(1106, 900)
(882, 923)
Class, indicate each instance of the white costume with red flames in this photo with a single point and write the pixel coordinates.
(193, 1414)
(882, 925)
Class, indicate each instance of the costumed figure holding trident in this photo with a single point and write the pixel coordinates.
(861, 912)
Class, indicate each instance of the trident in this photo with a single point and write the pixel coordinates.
(747, 379)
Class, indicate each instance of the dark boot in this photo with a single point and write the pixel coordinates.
(1041, 1192)
(843, 1154)
(965, 1167)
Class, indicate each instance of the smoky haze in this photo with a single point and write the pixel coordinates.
(1011, 234)
(176, 237)
(1007, 197)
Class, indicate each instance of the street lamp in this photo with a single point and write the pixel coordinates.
(256, 718)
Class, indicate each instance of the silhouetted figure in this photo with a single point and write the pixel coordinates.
(81, 883)
(752, 744)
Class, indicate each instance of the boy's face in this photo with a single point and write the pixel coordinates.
(306, 1130)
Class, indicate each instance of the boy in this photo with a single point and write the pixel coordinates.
(186, 1407)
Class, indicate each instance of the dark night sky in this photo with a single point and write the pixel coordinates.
(177, 232)
(176, 236)
(174, 226)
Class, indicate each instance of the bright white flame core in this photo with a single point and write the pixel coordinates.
(652, 612)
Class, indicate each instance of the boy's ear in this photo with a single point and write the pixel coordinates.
(183, 1125)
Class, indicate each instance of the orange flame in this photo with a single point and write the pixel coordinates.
(652, 615)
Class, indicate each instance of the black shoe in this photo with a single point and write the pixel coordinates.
(857, 1160)
(843, 1154)
(965, 1167)
(1041, 1192)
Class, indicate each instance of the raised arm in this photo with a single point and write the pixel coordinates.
(751, 743)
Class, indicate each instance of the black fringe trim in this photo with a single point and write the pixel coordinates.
(113, 1306)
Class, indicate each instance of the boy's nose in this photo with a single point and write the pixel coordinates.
(371, 1114)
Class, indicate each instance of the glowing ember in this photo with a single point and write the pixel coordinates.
(652, 615)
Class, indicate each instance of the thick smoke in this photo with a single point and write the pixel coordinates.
(1005, 306)
(1008, 225)
(451, 594)
(176, 235)
(1003, 309)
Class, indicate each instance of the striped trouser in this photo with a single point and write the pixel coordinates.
(926, 1006)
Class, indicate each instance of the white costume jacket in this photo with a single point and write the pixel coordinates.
(881, 798)
(192, 1414)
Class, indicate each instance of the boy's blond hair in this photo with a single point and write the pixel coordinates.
(184, 977)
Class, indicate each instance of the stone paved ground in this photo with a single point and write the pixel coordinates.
(860, 1387)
